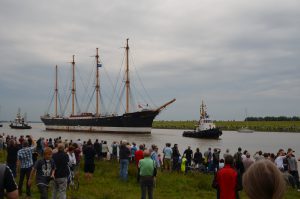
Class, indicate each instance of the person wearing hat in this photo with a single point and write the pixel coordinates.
(293, 167)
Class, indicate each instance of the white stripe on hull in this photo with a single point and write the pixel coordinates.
(101, 129)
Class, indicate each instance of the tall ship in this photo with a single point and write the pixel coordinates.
(137, 121)
(19, 122)
(205, 127)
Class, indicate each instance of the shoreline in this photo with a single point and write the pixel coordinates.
(263, 126)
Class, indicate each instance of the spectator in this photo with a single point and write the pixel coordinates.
(61, 161)
(248, 161)
(133, 149)
(189, 155)
(279, 160)
(167, 156)
(147, 171)
(26, 163)
(12, 156)
(124, 160)
(293, 168)
(264, 180)
(44, 170)
(8, 185)
(198, 158)
(89, 160)
(175, 158)
(227, 181)
(239, 161)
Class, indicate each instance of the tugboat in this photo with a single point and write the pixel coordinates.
(19, 122)
(205, 128)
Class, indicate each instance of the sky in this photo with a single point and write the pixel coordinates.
(240, 57)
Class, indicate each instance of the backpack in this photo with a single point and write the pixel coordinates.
(238, 157)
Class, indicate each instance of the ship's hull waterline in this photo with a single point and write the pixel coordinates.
(130, 123)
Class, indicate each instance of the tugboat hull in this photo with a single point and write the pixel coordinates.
(214, 133)
(20, 127)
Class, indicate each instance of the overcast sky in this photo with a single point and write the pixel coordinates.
(235, 55)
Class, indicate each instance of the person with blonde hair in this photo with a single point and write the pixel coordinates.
(44, 170)
(264, 180)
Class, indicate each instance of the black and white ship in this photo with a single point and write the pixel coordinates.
(138, 122)
(19, 122)
(205, 128)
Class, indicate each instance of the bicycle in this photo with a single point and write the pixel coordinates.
(73, 182)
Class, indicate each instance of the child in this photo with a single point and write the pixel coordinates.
(160, 162)
(183, 164)
(44, 170)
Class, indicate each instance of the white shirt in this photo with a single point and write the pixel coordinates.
(279, 162)
(72, 158)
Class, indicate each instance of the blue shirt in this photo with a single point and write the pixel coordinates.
(168, 152)
(25, 157)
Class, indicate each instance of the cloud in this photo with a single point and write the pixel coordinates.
(233, 54)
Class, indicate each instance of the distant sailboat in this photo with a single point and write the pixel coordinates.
(246, 129)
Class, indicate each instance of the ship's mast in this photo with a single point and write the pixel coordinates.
(97, 83)
(202, 111)
(73, 86)
(127, 77)
(56, 91)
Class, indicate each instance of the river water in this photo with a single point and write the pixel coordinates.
(269, 142)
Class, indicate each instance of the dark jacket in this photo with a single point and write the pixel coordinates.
(124, 152)
(61, 160)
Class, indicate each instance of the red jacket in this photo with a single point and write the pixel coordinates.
(226, 181)
(139, 154)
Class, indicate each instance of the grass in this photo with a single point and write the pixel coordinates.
(106, 185)
(268, 126)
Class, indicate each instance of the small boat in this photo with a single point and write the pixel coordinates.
(245, 130)
(205, 128)
(19, 122)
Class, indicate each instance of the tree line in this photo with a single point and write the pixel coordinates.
(272, 118)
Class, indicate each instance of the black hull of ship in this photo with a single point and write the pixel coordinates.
(205, 134)
(20, 127)
(136, 123)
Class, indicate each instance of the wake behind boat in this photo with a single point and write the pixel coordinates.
(205, 128)
(129, 122)
(20, 122)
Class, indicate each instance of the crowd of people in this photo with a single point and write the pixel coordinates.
(54, 159)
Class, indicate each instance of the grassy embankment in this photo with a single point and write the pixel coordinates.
(106, 185)
(274, 126)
